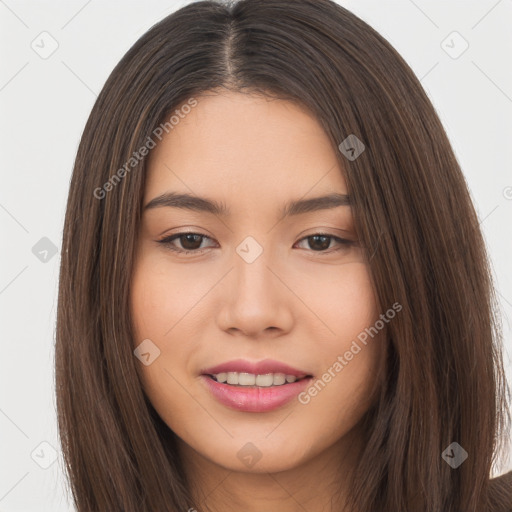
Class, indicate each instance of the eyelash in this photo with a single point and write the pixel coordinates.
(167, 242)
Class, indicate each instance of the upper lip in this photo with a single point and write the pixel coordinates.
(256, 368)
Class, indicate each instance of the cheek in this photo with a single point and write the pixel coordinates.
(164, 298)
(158, 309)
(166, 308)
(351, 353)
(345, 301)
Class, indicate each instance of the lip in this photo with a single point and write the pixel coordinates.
(257, 368)
(252, 398)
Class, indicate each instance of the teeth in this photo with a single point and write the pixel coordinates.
(232, 378)
(265, 380)
(249, 379)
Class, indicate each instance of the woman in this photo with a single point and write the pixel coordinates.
(274, 292)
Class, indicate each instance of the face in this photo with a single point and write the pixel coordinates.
(244, 329)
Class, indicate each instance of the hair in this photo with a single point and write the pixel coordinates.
(413, 213)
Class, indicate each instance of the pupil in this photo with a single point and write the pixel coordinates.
(324, 245)
(190, 238)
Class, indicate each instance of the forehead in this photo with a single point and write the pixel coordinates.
(245, 146)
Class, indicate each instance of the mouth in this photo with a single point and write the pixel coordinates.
(243, 372)
(254, 387)
(244, 379)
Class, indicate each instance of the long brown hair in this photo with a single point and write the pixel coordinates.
(445, 380)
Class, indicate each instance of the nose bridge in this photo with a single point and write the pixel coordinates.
(255, 301)
(252, 275)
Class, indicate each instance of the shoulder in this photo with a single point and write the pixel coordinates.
(500, 493)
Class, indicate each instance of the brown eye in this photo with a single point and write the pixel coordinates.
(190, 242)
(321, 242)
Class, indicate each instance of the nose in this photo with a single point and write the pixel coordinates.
(256, 300)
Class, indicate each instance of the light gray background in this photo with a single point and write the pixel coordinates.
(44, 106)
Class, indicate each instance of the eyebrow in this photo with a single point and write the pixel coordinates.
(203, 204)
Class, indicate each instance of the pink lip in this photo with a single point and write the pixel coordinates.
(252, 398)
(260, 368)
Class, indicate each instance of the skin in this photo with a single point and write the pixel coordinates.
(293, 304)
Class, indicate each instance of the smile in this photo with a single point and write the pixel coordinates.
(251, 379)
(254, 387)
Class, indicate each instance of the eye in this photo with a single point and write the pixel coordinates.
(320, 242)
(191, 242)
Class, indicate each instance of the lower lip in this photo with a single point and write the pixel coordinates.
(255, 399)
